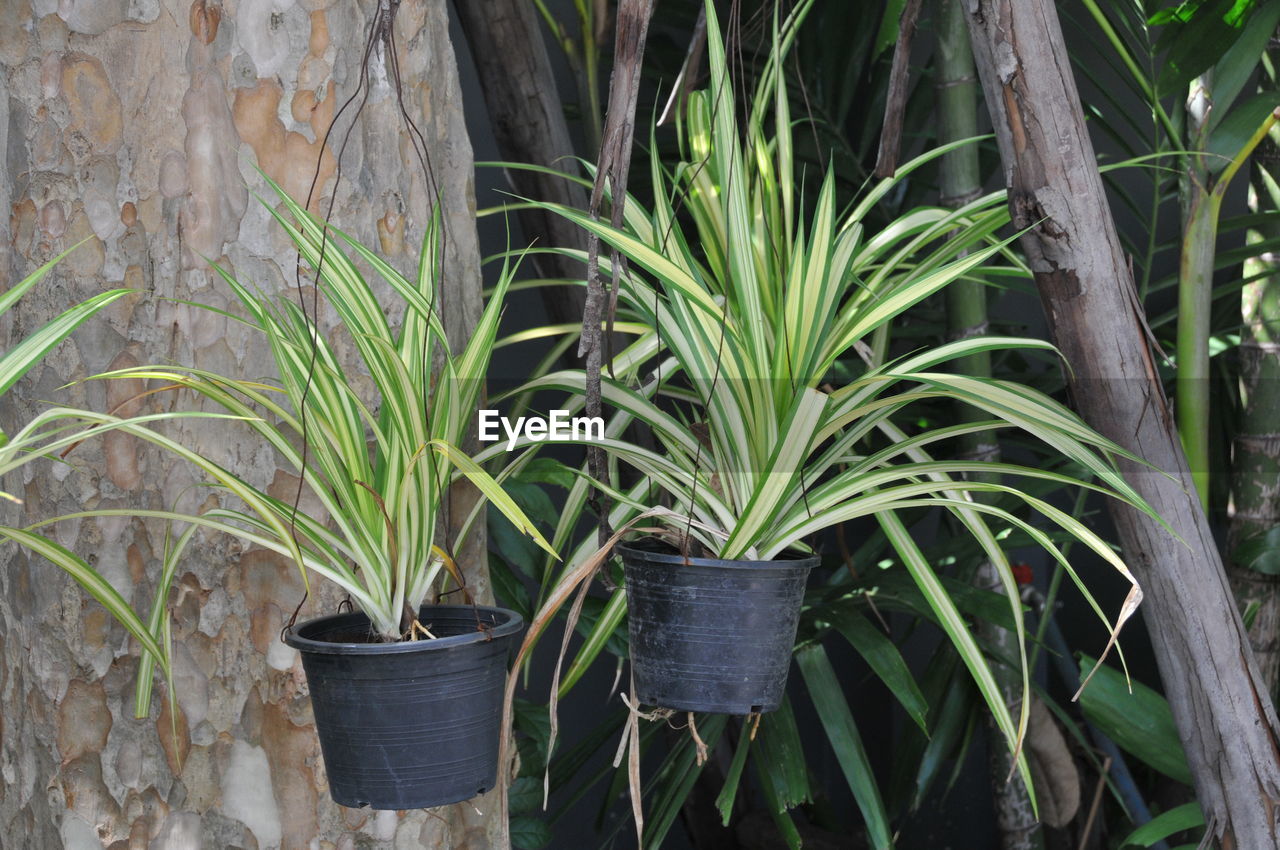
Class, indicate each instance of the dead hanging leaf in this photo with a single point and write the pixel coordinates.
(454, 572)
(574, 583)
(631, 744)
(702, 432)
(699, 744)
(1053, 769)
(567, 587)
(1131, 602)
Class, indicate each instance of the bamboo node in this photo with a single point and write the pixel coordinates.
(953, 201)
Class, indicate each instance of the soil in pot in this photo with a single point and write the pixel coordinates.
(708, 634)
(414, 724)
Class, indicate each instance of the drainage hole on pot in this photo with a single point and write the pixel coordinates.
(755, 709)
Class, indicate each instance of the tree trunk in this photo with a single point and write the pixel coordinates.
(1225, 720)
(961, 182)
(529, 126)
(1255, 484)
(135, 125)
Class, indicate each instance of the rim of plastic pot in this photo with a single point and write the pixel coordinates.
(806, 562)
(508, 623)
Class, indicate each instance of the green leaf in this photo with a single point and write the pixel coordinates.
(780, 475)
(1140, 723)
(601, 633)
(533, 722)
(786, 826)
(524, 795)
(570, 763)
(15, 362)
(159, 622)
(778, 748)
(1260, 552)
(885, 660)
(1238, 64)
(516, 548)
(887, 36)
(958, 706)
(1239, 125)
(545, 470)
(842, 732)
(589, 623)
(492, 491)
(729, 791)
(1165, 825)
(984, 604)
(958, 631)
(508, 589)
(677, 774)
(530, 833)
(1196, 38)
(11, 295)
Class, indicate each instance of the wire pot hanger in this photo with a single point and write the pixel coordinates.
(379, 46)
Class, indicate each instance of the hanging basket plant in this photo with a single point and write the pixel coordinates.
(761, 369)
(407, 694)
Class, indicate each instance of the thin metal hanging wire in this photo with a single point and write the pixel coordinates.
(380, 33)
(736, 51)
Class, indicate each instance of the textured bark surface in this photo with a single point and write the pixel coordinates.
(529, 126)
(1224, 717)
(631, 33)
(136, 125)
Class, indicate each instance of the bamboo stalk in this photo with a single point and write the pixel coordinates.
(1255, 482)
(961, 181)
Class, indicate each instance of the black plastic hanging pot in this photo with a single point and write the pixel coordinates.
(414, 724)
(711, 635)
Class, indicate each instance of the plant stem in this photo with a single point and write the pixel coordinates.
(1255, 481)
(1195, 299)
(1202, 200)
(961, 182)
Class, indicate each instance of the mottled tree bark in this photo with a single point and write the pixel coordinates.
(136, 125)
(529, 126)
(1225, 719)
